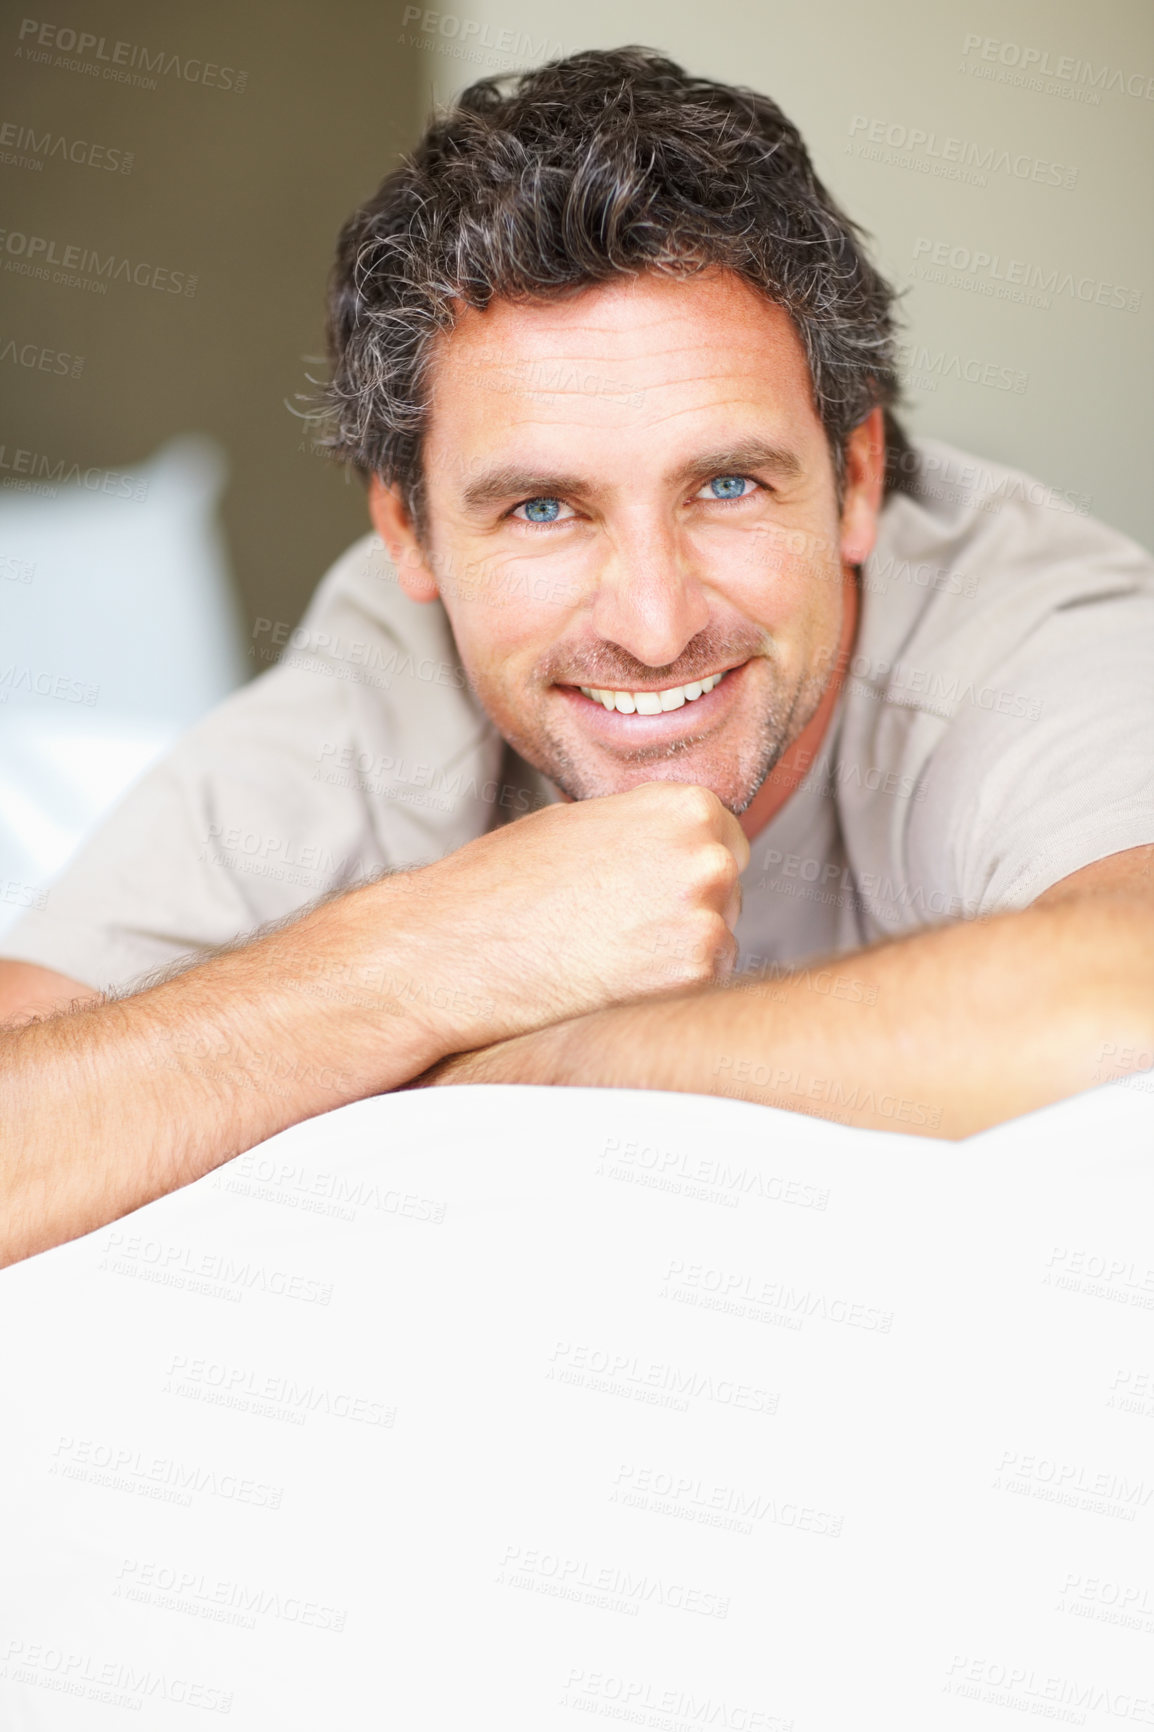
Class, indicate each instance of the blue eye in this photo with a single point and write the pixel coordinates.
(542, 510)
(727, 486)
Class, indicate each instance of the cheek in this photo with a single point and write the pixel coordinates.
(787, 581)
(501, 597)
(503, 631)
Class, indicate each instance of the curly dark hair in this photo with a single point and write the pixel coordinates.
(603, 164)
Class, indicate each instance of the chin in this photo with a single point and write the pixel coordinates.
(735, 792)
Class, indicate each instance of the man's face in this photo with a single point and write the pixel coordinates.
(630, 494)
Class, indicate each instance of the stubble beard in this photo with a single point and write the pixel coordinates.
(738, 783)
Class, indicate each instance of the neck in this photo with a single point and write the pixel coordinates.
(797, 760)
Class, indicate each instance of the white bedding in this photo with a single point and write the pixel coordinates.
(519, 1408)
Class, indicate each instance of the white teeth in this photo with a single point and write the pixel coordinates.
(651, 703)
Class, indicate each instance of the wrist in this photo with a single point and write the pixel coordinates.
(434, 966)
(380, 975)
(353, 982)
(583, 1052)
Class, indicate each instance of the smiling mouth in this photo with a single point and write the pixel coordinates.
(653, 703)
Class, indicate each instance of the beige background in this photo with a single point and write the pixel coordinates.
(248, 192)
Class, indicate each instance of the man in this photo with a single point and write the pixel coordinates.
(698, 732)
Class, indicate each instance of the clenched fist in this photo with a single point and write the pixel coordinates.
(579, 906)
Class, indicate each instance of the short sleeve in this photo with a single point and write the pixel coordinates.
(361, 751)
(217, 839)
(1048, 763)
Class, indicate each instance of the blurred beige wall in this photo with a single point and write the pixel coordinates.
(1020, 130)
(243, 189)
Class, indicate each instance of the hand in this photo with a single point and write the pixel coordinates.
(577, 907)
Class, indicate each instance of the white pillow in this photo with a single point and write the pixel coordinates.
(119, 627)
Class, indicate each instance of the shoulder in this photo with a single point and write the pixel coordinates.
(995, 527)
(364, 660)
(358, 601)
(1003, 670)
(972, 562)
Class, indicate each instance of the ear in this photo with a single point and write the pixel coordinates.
(393, 524)
(865, 472)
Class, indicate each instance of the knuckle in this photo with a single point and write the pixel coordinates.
(716, 867)
(706, 941)
(689, 802)
(698, 803)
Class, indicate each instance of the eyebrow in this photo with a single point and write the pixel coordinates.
(511, 482)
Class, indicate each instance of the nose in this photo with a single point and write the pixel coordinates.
(650, 601)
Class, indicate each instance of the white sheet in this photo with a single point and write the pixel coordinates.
(520, 1408)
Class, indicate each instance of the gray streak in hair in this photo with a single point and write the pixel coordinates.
(604, 164)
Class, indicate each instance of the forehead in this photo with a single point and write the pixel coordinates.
(649, 351)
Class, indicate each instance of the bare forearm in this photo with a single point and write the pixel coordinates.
(972, 1024)
(111, 1106)
(108, 1107)
(944, 1033)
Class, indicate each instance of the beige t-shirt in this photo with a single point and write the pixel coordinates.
(994, 733)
